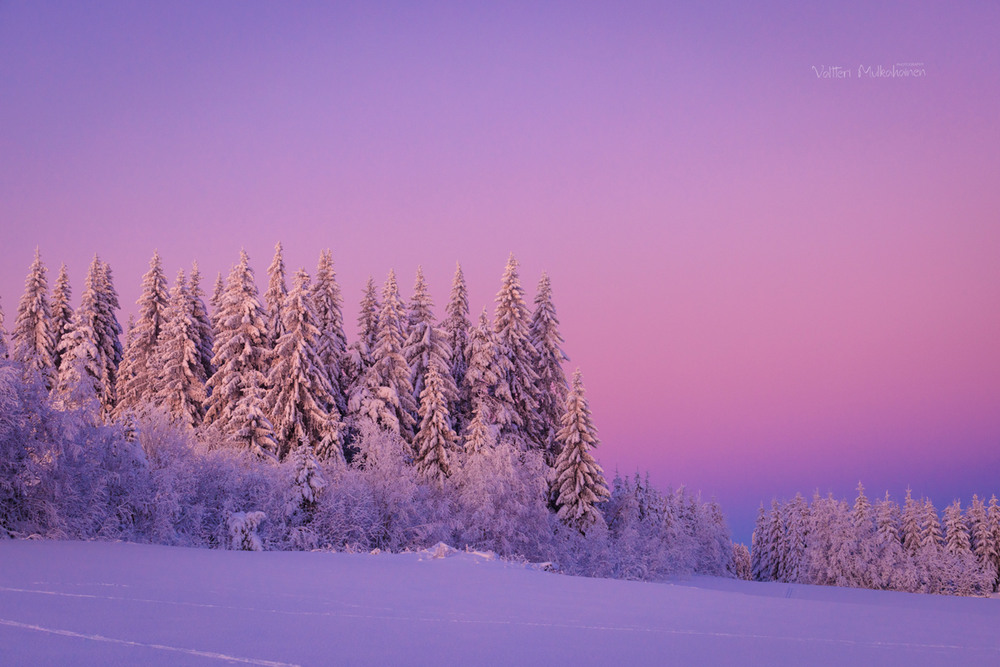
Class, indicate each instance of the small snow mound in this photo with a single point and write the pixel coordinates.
(546, 566)
(485, 555)
(440, 550)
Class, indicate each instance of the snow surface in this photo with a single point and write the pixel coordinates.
(113, 603)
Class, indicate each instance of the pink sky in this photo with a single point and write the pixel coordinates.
(772, 282)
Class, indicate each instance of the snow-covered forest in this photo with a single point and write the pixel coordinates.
(878, 545)
(253, 423)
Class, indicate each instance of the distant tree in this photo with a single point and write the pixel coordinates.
(478, 436)
(456, 326)
(236, 400)
(579, 481)
(275, 296)
(32, 334)
(552, 387)
(361, 352)
(3, 337)
(216, 301)
(78, 385)
(385, 397)
(482, 379)
(332, 343)
(760, 564)
(138, 370)
(300, 401)
(434, 442)
(956, 533)
(516, 358)
(796, 519)
(202, 328)
(62, 313)
(426, 345)
(911, 519)
(180, 384)
(993, 519)
(930, 526)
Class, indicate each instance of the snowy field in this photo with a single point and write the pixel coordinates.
(101, 603)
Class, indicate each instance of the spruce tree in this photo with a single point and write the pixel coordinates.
(361, 351)
(386, 396)
(181, 385)
(62, 313)
(201, 323)
(138, 371)
(477, 437)
(426, 345)
(911, 519)
(956, 532)
(31, 337)
(216, 302)
(483, 383)
(579, 481)
(332, 343)
(78, 385)
(274, 298)
(106, 329)
(434, 442)
(887, 520)
(993, 519)
(552, 387)
(930, 526)
(3, 336)
(241, 357)
(457, 326)
(516, 358)
(760, 564)
(300, 402)
(862, 515)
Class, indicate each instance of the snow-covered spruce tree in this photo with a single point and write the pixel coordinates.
(202, 333)
(3, 336)
(78, 385)
(862, 514)
(579, 481)
(236, 400)
(930, 526)
(796, 519)
(216, 302)
(274, 298)
(456, 326)
(385, 396)
(300, 402)
(552, 386)
(760, 565)
(482, 380)
(910, 523)
(137, 384)
(31, 338)
(984, 544)
(180, 386)
(332, 343)
(434, 442)
(956, 533)
(478, 436)
(775, 531)
(107, 330)
(993, 519)
(516, 358)
(62, 313)
(426, 345)
(360, 353)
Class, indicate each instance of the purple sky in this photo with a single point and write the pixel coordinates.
(773, 282)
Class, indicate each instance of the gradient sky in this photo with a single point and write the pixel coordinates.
(772, 282)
